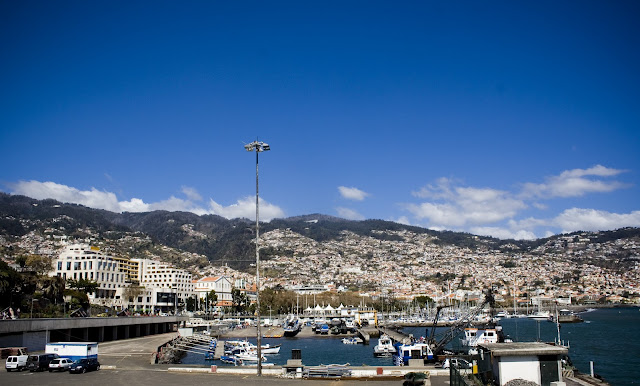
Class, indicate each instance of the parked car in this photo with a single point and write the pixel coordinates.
(457, 363)
(84, 365)
(40, 362)
(16, 362)
(60, 364)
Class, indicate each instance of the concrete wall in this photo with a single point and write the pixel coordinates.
(36, 333)
(521, 367)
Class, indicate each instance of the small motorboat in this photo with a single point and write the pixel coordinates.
(385, 347)
(352, 340)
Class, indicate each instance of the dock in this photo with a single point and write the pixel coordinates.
(396, 336)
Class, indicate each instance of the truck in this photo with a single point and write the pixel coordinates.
(17, 362)
(73, 350)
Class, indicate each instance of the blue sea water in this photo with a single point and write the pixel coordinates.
(608, 337)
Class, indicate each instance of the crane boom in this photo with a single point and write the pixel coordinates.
(456, 328)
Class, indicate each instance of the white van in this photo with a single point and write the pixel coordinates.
(16, 362)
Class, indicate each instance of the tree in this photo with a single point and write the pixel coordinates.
(423, 300)
(239, 299)
(21, 261)
(88, 286)
(211, 299)
(132, 292)
(39, 264)
(10, 283)
(191, 304)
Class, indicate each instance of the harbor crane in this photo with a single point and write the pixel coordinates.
(437, 346)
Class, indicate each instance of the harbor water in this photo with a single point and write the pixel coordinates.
(609, 337)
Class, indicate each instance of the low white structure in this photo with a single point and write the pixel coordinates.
(532, 361)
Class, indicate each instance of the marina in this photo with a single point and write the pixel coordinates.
(584, 345)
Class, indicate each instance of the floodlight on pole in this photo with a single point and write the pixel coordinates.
(258, 147)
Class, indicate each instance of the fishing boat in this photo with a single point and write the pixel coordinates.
(292, 326)
(416, 350)
(567, 316)
(473, 336)
(385, 347)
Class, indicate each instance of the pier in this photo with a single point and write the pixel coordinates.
(396, 336)
(36, 333)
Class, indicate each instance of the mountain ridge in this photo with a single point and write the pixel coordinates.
(228, 240)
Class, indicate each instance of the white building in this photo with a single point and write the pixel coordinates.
(172, 286)
(220, 284)
(80, 261)
(140, 284)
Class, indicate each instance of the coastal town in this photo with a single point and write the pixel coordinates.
(401, 266)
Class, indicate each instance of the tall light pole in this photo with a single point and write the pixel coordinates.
(258, 147)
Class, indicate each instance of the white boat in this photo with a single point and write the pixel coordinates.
(352, 340)
(540, 315)
(385, 347)
(268, 349)
(292, 326)
(412, 351)
(231, 345)
(246, 355)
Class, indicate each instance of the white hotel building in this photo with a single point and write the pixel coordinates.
(159, 286)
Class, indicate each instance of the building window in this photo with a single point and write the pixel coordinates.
(59, 265)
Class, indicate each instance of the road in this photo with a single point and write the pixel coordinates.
(127, 362)
(162, 377)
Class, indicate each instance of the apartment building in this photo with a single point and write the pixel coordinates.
(81, 261)
(139, 284)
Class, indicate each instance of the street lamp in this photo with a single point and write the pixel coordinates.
(258, 147)
(175, 302)
(32, 300)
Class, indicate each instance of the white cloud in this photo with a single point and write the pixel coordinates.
(574, 183)
(107, 200)
(352, 193)
(92, 198)
(576, 219)
(503, 233)
(404, 220)
(134, 205)
(246, 208)
(441, 190)
(191, 193)
(349, 214)
(447, 204)
(464, 205)
(174, 204)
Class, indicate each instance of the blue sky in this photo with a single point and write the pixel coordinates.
(511, 119)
